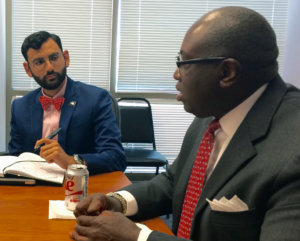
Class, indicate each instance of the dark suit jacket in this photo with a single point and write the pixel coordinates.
(88, 125)
(261, 165)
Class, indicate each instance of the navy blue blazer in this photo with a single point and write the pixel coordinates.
(89, 126)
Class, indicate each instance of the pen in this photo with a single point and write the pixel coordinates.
(54, 133)
(16, 181)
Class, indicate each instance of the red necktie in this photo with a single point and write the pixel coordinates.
(196, 180)
(46, 102)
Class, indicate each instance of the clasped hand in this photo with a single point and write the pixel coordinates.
(99, 219)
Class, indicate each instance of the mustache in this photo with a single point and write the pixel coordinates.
(51, 72)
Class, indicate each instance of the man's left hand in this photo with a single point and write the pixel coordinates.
(107, 226)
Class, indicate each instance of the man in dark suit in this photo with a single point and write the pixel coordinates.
(227, 71)
(89, 132)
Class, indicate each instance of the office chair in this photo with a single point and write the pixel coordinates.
(137, 128)
(115, 108)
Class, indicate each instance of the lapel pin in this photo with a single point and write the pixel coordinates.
(72, 103)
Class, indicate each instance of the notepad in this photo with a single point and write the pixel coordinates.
(33, 166)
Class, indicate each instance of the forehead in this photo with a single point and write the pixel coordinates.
(191, 43)
(195, 40)
(47, 48)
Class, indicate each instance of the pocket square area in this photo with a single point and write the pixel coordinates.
(233, 205)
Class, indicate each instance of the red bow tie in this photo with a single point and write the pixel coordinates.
(46, 102)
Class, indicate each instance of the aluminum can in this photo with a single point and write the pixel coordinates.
(76, 185)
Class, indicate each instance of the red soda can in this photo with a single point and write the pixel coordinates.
(76, 185)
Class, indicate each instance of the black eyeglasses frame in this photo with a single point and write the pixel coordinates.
(198, 60)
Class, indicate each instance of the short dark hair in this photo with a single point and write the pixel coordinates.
(35, 41)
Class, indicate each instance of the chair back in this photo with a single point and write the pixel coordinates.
(115, 108)
(136, 121)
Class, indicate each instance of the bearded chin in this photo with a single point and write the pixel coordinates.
(52, 86)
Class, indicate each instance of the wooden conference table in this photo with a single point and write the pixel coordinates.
(24, 210)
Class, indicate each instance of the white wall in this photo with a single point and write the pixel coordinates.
(2, 77)
(291, 66)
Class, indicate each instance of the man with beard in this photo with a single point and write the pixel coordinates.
(89, 131)
(239, 179)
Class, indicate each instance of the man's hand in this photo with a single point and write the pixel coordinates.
(107, 226)
(95, 204)
(51, 151)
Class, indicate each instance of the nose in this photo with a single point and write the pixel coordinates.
(48, 65)
(176, 74)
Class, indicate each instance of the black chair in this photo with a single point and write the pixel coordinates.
(115, 108)
(137, 128)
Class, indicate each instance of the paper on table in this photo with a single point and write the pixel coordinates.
(6, 161)
(50, 172)
(33, 166)
(58, 210)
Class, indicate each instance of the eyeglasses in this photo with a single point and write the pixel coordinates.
(40, 63)
(180, 62)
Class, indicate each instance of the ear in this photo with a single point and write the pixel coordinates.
(27, 69)
(67, 58)
(231, 69)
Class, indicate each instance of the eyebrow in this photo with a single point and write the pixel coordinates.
(55, 53)
(40, 58)
(37, 59)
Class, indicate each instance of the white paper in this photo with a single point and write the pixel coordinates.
(38, 170)
(58, 210)
(6, 161)
(31, 165)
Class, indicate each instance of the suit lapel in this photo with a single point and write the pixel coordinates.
(71, 101)
(241, 149)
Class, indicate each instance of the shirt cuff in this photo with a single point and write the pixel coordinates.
(132, 207)
(144, 233)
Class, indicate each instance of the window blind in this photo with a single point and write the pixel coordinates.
(170, 124)
(85, 28)
(151, 33)
(148, 37)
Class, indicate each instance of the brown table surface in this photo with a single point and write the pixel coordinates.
(24, 210)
